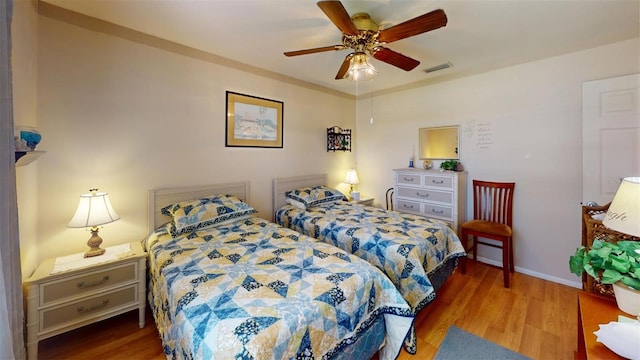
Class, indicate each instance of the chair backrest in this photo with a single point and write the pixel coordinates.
(493, 201)
(389, 197)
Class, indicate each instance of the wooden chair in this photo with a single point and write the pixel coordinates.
(492, 219)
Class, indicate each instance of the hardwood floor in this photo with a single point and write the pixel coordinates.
(534, 317)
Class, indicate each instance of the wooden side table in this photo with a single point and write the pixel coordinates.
(594, 310)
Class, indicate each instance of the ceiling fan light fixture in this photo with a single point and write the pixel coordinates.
(360, 69)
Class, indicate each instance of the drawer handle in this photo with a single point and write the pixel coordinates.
(84, 285)
(422, 195)
(437, 181)
(408, 179)
(437, 211)
(82, 309)
(407, 206)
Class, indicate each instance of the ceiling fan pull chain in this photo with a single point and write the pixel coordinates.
(371, 105)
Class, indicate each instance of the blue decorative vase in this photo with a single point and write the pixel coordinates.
(26, 138)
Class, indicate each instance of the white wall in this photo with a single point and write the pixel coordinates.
(533, 113)
(126, 118)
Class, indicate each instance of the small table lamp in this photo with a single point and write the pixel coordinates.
(94, 209)
(352, 179)
(623, 214)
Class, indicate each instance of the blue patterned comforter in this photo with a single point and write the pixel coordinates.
(251, 289)
(406, 247)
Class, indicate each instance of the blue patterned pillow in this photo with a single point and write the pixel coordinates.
(315, 195)
(197, 214)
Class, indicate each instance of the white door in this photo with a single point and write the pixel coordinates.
(610, 135)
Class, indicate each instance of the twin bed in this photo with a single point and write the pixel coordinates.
(225, 283)
(418, 254)
(236, 286)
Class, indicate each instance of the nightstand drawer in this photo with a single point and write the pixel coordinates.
(438, 181)
(81, 284)
(88, 308)
(426, 195)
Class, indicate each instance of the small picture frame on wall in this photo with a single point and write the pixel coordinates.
(253, 121)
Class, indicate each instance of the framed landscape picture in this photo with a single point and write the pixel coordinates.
(253, 121)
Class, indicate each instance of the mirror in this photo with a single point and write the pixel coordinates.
(439, 143)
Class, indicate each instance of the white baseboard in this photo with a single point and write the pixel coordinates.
(575, 284)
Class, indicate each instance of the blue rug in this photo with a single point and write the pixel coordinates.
(461, 345)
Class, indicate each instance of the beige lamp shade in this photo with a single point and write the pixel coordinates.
(93, 209)
(623, 214)
(352, 177)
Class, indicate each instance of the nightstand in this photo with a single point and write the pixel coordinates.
(594, 310)
(364, 201)
(66, 293)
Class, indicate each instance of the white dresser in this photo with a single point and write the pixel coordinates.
(432, 193)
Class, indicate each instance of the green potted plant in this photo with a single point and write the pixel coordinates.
(449, 165)
(612, 263)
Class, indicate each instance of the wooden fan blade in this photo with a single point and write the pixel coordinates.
(336, 12)
(427, 22)
(395, 58)
(314, 50)
(344, 67)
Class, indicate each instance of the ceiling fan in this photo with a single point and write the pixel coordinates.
(363, 36)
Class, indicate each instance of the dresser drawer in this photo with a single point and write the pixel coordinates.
(426, 195)
(409, 179)
(82, 284)
(88, 307)
(442, 182)
(409, 206)
(434, 194)
(440, 212)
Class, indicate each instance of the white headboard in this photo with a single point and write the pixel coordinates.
(160, 198)
(282, 185)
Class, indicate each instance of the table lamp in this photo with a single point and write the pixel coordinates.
(352, 179)
(623, 214)
(94, 209)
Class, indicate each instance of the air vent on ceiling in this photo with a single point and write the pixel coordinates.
(446, 65)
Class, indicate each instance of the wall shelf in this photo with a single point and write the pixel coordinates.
(26, 157)
(338, 139)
